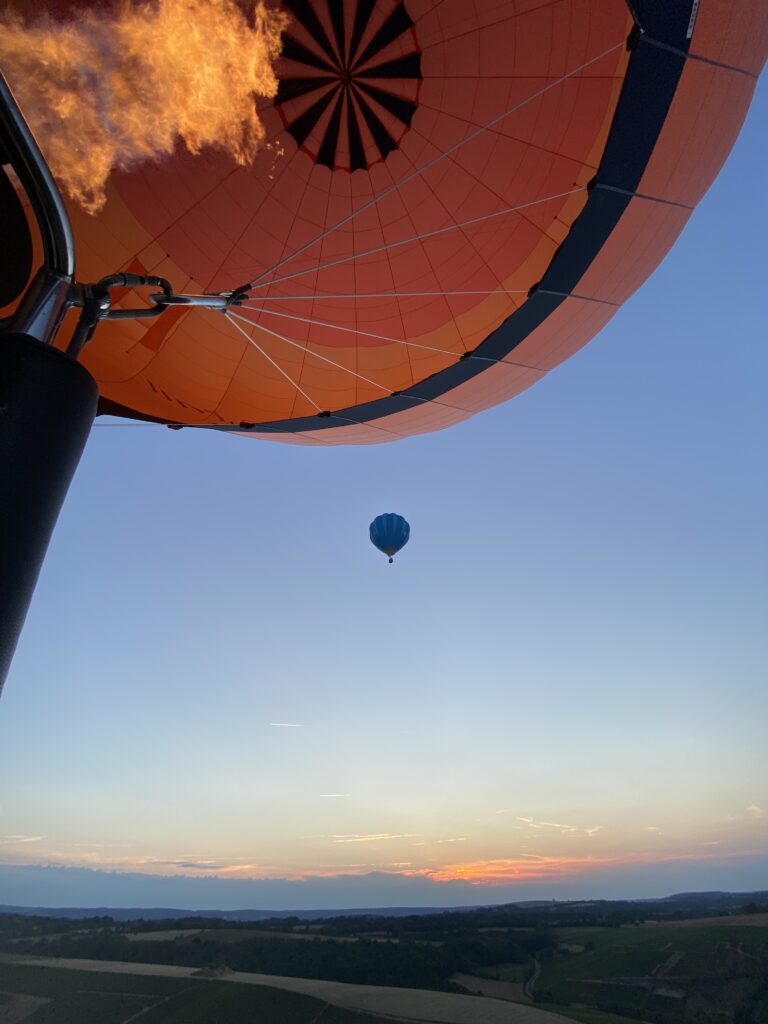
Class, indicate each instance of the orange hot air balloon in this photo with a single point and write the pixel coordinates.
(453, 199)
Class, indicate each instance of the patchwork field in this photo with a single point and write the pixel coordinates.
(595, 963)
(100, 992)
(718, 972)
(40, 995)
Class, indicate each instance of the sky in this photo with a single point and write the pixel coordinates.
(224, 697)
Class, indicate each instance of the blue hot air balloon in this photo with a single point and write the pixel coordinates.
(389, 533)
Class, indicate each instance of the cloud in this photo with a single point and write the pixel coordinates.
(236, 869)
(755, 811)
(16, 840)
(273, 886)
(373, 837)
(535, 868)
(653, 828)
(565, 829)
(457, 839)
(329, 795)
(101, 846)
(195, 865)
(369, 837)
(286, 725)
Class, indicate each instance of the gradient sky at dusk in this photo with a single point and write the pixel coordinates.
(559, 689)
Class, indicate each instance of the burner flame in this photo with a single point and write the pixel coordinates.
(108, 88)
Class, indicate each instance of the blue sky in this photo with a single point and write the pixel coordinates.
(224, 695)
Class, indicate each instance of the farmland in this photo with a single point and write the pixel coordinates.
(685, 961)
(80, 992)
(83, 997)
(714, 972)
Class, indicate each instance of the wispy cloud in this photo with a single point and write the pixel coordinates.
(755, 811)
(18, 840)
(373, 837)
(101, 846)
(328, 796)
(367, 837)
(456, 839)
(241, 869)
(653, 828)
(564, 828)
(286, 725)
(194, 865)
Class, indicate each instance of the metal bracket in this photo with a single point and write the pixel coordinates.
(218, 300)
(96, 304)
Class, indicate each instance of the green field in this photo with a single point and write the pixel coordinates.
(84, 997)
(658, 974)
(586, 1015)
(503, 972)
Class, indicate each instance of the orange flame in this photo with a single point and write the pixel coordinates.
(108, 88)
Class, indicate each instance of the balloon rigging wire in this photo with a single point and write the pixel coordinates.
(349, 330)
(277, 366)
(370, 252)
(289, 341)
(426, 234)
(370, 334)
(315, 297)
(425, 167)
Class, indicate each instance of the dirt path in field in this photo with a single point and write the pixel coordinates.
(509, 990)
(528, 985)
(19, 1007)
(410, 1005)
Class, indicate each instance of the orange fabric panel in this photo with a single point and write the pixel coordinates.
(356, 433)
(563, 333)
(422, 419)
(732, 32)
(498, 383)
(309, 440)
(703, 121)
(636, 246)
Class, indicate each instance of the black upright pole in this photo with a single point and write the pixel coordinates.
(47, 407)
(47, 399)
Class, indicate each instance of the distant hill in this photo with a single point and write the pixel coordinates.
(693, 902)
(168, 913)
(717, 900)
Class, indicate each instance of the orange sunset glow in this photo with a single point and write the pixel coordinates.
(487, 861)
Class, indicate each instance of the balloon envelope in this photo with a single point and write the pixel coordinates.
(389, 533)
(456, 197)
